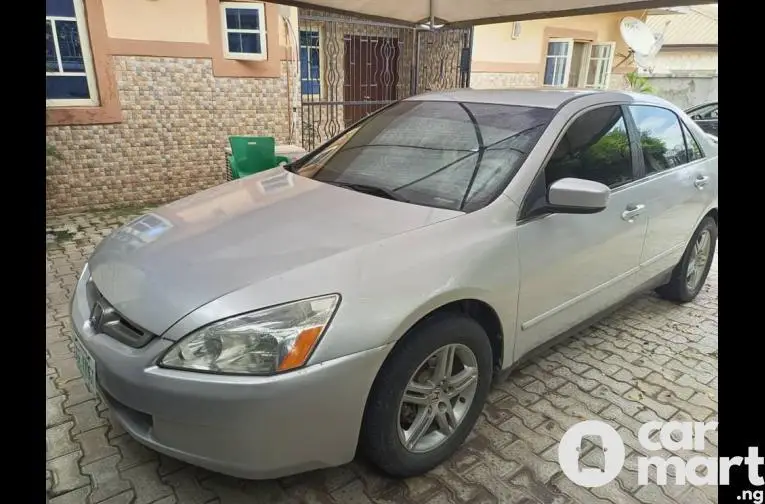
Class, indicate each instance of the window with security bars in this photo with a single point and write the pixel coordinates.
(69, 75)
(310, 62)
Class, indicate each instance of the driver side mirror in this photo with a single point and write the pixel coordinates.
(577, 196)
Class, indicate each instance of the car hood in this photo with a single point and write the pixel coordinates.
(165, 264)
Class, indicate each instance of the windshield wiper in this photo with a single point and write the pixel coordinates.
(373, 190)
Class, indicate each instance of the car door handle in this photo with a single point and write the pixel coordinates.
(632, 211)
(701, 181)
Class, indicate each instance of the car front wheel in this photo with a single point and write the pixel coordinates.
(427, 396)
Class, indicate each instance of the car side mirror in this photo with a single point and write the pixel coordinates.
(577, 196)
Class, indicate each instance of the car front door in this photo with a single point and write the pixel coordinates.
(678, 179)
(573, 266)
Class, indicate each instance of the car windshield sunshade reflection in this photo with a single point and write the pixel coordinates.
(452, 155)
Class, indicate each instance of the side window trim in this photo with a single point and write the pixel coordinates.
(687, 131)
(539, 178)
(638, 161)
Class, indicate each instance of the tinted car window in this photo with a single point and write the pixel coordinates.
(661, 138)
(694, 152)
(595, 147)
(451, 155)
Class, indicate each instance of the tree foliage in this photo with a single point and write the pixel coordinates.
(638, 83)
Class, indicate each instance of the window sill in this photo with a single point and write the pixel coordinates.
(82, 116)
(245, 57)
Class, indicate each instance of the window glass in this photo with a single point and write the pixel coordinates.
(244, 33)
(694, 151)
(599, 65)
(595, 147)
(242, 19)
(441, 154)
(309, 62)
(556, 61)
(661, 138)
(59, 8)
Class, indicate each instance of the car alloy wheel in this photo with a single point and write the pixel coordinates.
(698, 260)
(437, 398)
(427, 395)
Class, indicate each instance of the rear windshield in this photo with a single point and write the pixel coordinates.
(442, 154)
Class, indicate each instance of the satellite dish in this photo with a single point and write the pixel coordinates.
(637, 35)
(643, 44)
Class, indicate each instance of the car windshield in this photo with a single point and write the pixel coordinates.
(443, 154)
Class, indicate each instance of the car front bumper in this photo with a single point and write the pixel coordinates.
(249, 427)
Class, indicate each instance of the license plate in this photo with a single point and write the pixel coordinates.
(86, 364)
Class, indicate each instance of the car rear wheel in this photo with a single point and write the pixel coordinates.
(427, 396)
(689, 275)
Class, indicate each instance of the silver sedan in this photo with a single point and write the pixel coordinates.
(366, 295)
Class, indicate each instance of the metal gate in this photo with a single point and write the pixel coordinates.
(350, 67)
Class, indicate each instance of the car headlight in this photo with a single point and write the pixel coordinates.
(263, 342)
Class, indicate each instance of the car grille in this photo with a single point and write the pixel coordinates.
(104, 319)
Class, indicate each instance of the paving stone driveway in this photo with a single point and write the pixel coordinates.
(651, 360)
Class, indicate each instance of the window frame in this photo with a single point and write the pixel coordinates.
(320, 48)
(260, 7)
(87, 58)
(609, 60)
(567, 59)
(683, 128)
(585, 71)
(529, 211)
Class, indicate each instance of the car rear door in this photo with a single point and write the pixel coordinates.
(574, 266)
(678, 179)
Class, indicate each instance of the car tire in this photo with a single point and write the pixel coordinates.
(680, 289)
(383, 437)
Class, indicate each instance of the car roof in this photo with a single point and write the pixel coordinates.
(532, 97)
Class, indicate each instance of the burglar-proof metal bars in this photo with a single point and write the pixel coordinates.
(351, 67)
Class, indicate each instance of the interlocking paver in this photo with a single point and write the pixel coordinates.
(106, 480)
(58, 441)
(95, 445)
(133, 453)
(651, 360)
(66, 473)
(85, 416)
(54, 411)
(146, 483)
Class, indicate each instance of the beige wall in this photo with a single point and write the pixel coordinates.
(494, 43)
(501, 61)
(157, 20)
(165, 20)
